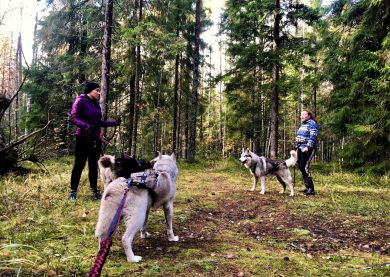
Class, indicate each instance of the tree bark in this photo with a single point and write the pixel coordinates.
(157, 117)
(106, 62)
(175, 103)
(275, 80)
(137, 95)
(195, 84)
(18, 64)
(220, 134)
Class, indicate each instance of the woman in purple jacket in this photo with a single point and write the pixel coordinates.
(87, 116)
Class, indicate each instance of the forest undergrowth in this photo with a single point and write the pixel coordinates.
(224, 229)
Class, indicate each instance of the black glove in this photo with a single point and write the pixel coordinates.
(118, 121)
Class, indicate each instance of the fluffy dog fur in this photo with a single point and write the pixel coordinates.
(261, 166)
(138, 204)
(111, 168)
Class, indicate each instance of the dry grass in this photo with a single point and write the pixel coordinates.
(224, 230)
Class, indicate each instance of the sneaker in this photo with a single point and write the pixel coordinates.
(96, 194)
(73, 196)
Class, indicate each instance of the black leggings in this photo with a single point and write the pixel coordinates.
(304, 159)
(85, 149)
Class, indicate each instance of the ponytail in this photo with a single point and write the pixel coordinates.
(312, 117)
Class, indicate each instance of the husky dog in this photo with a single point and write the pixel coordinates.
(138, 203)
(261, 166)
(111, 168)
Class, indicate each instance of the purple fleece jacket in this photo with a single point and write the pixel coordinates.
(86, 112)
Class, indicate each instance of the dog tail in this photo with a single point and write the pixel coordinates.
(293, 159)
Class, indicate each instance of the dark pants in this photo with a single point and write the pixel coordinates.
(304, 159)
(85, 149)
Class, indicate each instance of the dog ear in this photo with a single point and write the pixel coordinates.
(173, 156)
(159, 155)
(247, 150)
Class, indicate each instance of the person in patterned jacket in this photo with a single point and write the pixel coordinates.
(306, 145)
(87, 116)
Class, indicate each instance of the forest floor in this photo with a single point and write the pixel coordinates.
(224, 229)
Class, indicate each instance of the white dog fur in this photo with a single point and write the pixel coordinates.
(138, 204)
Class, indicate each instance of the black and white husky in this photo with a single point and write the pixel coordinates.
(261, 166)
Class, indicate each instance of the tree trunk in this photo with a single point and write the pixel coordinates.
(195, 84)
(137, 95)
(209, 106)
(185, 141)
(18, 81)
(106, 62)
(220, 135)
(157, 117)
(35, 43)
(175, 102)
(180, 108)
(275, 88)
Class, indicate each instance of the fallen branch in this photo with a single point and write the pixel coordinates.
(22, 139)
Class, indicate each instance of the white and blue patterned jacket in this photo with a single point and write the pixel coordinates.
(307, 134)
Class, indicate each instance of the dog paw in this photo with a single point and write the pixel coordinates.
(145, 235)
(282, 191)
(291, 194)
(252, 189)
(262, 192)
(135, 259)
(174, 238)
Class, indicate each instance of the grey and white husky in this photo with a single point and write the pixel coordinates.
(261, 166)
(138, 203)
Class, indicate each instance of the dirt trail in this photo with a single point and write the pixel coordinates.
(265, 217)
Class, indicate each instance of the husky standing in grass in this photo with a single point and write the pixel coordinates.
(261, 166)
(138, 203)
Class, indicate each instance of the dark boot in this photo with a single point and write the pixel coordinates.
(310, 187)
(96, 193)
(306, 186)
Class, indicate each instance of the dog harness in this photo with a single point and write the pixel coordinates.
(142, 185)
(275, 165)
